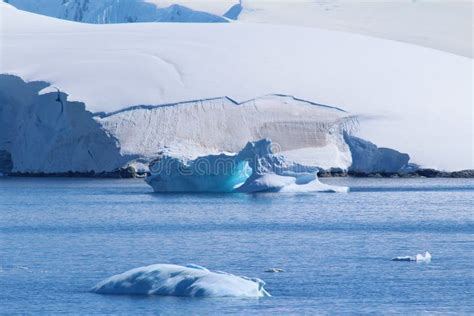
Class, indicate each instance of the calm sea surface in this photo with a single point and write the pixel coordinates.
(59, 237)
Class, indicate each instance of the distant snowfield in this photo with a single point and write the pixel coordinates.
(445, 25)
(440, 24)
(411, 98)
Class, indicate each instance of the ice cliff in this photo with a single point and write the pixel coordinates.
(46, 133)
(367, 157)
(174, 280)
(303, 131)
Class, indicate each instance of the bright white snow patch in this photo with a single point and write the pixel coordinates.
(411, 21)
(175, 280)
(254, 169)
(418, 258)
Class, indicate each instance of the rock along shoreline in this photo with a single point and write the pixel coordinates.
(130, 173)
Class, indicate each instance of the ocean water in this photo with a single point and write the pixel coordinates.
(59, 237)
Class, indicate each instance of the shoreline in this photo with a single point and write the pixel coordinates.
(131, 173)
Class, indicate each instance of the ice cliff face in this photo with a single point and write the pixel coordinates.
(46, 133)
(114, 11)
(367, 157)
(305, 132)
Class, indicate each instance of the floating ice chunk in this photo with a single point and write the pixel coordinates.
(254, 169)
(423, 258)
(175, 280)
(418, 258)
(275, 270)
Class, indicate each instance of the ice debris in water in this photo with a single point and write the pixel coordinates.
(254, 169)
(174, 280)
(275, 270)
(418, 258)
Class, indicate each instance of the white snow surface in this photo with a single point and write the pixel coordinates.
(410, 98)
(174, 280)
(445, 25)
(411, 21)
(254, 169)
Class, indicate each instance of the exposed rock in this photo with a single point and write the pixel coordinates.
(122, 173)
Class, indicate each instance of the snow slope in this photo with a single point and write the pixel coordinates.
(185, 281)
(414, 99)
(114, 11)
(444, 25)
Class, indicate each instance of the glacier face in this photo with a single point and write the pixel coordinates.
(114, 11)
(48, 134)
(223, 125)
(367, 157)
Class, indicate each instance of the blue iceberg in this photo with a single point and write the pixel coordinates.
(254, 169)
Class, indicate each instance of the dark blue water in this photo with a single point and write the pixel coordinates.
(58, 237)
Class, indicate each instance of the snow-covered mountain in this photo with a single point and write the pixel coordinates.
(406, 97)
(114, 11)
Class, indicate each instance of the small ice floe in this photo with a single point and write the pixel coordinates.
(418, 258)
(275, 270)
(174, 280)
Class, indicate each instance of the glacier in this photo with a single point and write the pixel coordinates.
(254, 169)
(184, 281)
(115, 11)
(47, 133)
(121, 75)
